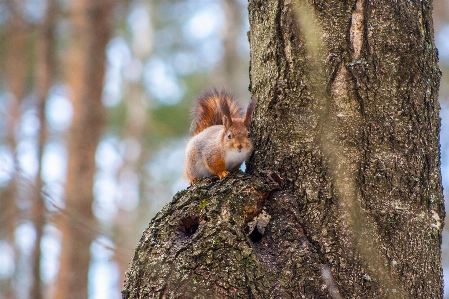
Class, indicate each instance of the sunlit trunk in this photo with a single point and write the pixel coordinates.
(91, 26)
(136, 154)
(231, 71)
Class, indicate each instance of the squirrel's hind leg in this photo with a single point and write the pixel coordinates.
(223, 174)
(218, 167)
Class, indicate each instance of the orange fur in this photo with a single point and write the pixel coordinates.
(218, 166)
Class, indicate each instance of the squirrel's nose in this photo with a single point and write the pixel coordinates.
(240, 147)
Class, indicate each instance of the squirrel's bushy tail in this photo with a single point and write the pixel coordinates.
(210, 107)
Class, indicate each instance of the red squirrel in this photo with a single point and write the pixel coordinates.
(220, 136)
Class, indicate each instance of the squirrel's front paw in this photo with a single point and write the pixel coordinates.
(223, 174)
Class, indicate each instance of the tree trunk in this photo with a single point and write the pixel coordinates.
(353, 132)
(231, 70)
(15, 68)
(91, 30)
(45, 68)
(343, 197)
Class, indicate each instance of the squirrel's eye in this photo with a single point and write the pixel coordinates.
(249, 135)
(229, 136)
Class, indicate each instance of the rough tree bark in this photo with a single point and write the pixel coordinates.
(343, 198)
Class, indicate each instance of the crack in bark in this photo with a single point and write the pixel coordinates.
(357, 28)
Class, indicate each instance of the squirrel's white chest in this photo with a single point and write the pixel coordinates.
(234, 158)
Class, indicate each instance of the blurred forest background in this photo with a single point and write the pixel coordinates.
(94, 115)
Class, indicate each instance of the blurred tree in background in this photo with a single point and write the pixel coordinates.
(90, 30)
(94, 101)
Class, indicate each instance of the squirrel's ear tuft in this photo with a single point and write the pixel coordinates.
(227, 122)
(249, 111)
(226, 112)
